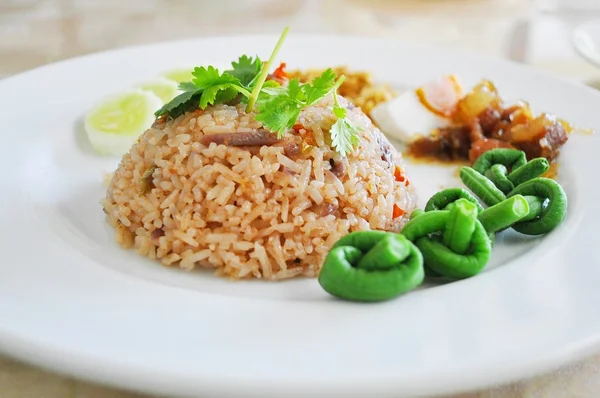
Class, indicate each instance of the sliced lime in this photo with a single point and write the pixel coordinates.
(114, 123)
(164, 89)
(180, 74)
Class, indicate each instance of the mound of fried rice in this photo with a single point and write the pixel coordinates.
(213, 189)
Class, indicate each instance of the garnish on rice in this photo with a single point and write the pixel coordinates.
(278, 107)
(255, 173)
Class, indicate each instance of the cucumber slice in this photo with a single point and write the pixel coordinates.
(180, 74)
(164, 88)
(114, 124)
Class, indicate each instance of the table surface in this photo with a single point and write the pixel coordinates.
(37, 32)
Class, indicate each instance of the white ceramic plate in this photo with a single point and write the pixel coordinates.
(73, 301)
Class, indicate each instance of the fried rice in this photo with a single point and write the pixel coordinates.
(213, 189)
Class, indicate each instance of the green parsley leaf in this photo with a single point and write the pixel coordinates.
(245, 69)
(344, 133)
(344, 136)
(209, 94)
(270, 89)
(279, 108)
(339, 112)
(207, 87)
(279, 111)
(209, 77)
(216, 87)
(295, 92)
(278, 114)
(179, 105)
(271, 84)
(187, 86)
(320, 87)
(224, 96)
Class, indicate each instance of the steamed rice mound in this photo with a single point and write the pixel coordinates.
(188, 198)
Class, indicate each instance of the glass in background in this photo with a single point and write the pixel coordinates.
(569, 6)
(581, 19)
(490, 27)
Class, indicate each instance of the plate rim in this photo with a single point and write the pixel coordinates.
(43, 357)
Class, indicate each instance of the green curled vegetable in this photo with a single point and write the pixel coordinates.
(536, 206)
(431, 230)
(362, 240)
(552, 213)
(534, 168)
(443, 199)
(416, 213)
(456, 266)
(497, 174)
(391, 266)
(426, 224)
(510, 158)
(504, 214)
(460, 226)
(388, 252)
(429, 273)
(481, 186)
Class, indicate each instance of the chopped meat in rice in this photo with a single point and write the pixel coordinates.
(245, 138)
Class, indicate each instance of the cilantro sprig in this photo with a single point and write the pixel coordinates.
(280, 111)
(245, 69)
(209, 86)
(277, 107)
(344, 133)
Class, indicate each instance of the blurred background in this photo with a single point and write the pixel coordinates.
(561, 37)
(555, 35)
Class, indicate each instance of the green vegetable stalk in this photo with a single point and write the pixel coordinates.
(453, 237)
(481, 186)
(443, 199)
(534, 168)
(551, 215)
(453, 242)
(372, 266)
(504, 214)
(265, 71)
